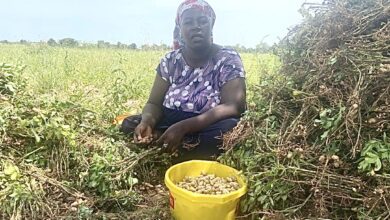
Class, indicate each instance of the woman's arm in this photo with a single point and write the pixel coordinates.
(233, 101)
(152, 110)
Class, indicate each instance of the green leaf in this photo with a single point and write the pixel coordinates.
(366, 149)
(297, 93)
(378, 165)
(324, 135)
(13, 195)
(333, 60)
(372, 155)
(10, 87)
(324, 113)
(14, 176)
(363, 166)
(37, 138)
(93, 184)
(339, 116)
(328, 124)
(262, 198)
(132, 181)
(9, 170)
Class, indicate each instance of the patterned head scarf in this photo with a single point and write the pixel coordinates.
(188, 4)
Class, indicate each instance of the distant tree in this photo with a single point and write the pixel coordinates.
(121, 45)
(51, 42)
(87, 45)
(68, 42)
(154, 47)
(104, 44)
(4, 42)
(100, 44)
(145, 47)
(23, 42)
(263, 47)
(132, 46)
(240, 48)
(164, 47)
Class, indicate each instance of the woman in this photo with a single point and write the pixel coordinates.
(198, 93)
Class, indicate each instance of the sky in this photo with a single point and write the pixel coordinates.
(244, 22)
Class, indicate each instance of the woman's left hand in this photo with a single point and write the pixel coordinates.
(173, 136)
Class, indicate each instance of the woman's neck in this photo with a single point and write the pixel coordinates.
(198, 58)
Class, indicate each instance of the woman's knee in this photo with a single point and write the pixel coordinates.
(130, 123)
(221, 126)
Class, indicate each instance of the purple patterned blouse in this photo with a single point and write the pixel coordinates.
(198, 89)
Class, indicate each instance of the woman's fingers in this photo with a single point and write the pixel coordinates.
(138, 133)
(164, 141)
(169, 141)
(160, 141)
(143, 134)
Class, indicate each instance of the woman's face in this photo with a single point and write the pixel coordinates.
(195, 29)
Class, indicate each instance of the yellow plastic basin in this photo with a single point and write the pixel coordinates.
(187, 205)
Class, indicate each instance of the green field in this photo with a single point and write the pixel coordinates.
(61, 154)
(314, 143)
(93, 73)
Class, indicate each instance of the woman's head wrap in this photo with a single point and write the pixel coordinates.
(188, 4)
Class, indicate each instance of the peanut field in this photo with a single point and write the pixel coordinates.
(61, 151)
(313, 144)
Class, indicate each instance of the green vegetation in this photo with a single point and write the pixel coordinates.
(314, 142)
(61, 153)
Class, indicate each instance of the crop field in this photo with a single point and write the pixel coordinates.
(62, 153)
(313, 144)
(94, 74)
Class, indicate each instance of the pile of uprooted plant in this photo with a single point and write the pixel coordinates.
(316, 143)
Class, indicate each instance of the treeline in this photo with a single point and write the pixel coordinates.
(70, 42)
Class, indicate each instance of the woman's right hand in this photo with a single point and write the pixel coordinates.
(143, 133)
(152, 112)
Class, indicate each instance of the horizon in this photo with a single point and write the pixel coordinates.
(144, 22)
(80, 43)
